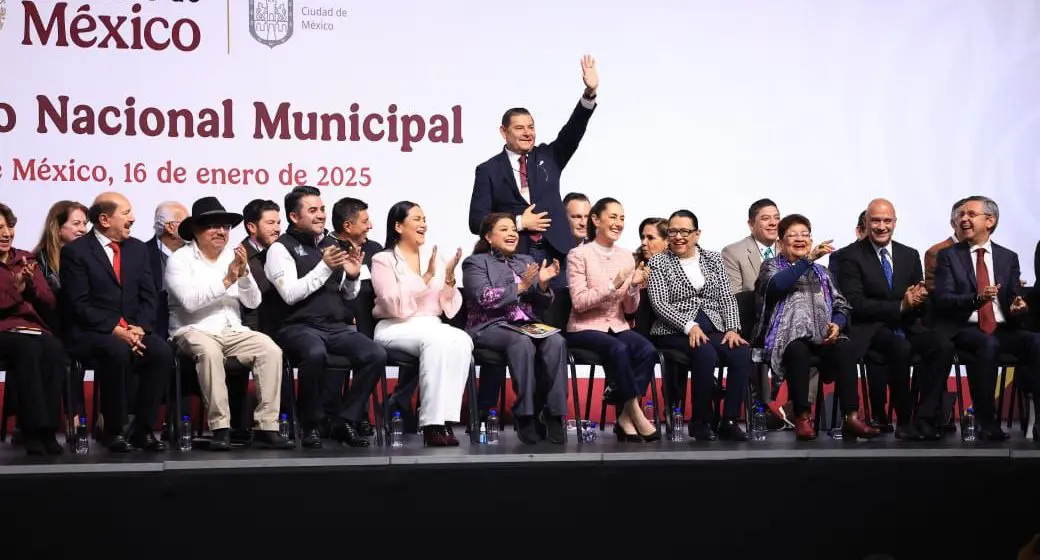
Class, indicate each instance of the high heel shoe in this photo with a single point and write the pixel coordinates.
(435, 436)
(652, 436)
(623, 436)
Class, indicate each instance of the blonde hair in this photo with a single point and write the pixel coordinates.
(49, 247)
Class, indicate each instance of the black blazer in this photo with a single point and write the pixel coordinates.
(495, 188)
(862, 280)
(956, 289)
(252, 317)
(95, 299)
(162, 303)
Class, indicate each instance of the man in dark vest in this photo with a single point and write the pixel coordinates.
(314, 278)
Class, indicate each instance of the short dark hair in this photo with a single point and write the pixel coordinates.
(8, 215)
(254, 211)
(685, 214)
(106, 207)
(574, 196)
(292, 198)
(861, 222)
(486, 226)
(790, 220)
(508, 115)
(346, 210)
(757, 207)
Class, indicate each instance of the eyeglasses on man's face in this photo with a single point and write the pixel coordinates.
(684, 233)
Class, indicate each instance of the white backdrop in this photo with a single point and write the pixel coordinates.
(820, 105)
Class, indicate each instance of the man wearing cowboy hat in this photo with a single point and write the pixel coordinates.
(207, 281)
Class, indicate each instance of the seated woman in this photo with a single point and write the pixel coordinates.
(66, 222)
(410, 301)
(653, 239)
(604, 284)
(697, 314)
(35, 357)
(802, 315)
(505, 288)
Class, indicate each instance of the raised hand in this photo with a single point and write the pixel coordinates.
(449, 270)
(822, 249)
(20, 279)
(639, 275)
(589, 74)
(352, 265)
(619, 280)
(431, 267)
(242, 260)
(528, 278)
(547, 272)
(333, 256)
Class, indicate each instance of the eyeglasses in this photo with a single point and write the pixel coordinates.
(684, 233)
(798, 235)
(219, 226)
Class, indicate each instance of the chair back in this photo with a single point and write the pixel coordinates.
(746, 307)
(365, 304)
(559, 311)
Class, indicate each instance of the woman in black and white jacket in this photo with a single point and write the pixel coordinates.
(697, 313)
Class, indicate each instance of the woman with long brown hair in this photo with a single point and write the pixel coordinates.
(66, 222)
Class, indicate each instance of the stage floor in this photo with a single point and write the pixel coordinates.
(510, 451)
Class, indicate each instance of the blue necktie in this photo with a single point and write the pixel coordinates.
(886, 267)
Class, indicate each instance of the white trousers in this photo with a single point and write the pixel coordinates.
(444, 357)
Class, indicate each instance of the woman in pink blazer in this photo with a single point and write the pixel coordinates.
(604, 284)
(409, 302)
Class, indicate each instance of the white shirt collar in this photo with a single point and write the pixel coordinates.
(102, 239)
(162, 247)
(887, 247)
(762, 248)
(988, 246)
(514, 158)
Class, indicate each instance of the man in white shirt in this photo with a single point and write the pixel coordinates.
(207, 281)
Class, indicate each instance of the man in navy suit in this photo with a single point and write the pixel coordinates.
(108, 287)
(524, 178)
(524, 181)
(979, 307)
(884, 282)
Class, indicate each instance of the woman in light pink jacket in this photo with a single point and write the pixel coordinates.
(409, 303)
(604, 283)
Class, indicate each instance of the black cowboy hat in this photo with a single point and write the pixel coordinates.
(206, 210)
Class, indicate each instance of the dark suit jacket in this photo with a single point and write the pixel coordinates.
(930, 258)
(251, 317)
(95, 299)
(495, 188)
(956, 288)
(874, 305)
(162, 309)
(366, 294)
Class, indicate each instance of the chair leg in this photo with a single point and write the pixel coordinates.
(864, 383)
(819, 403)
(664, 390)
(1014, 402)
(716, 416)
(1000, 394)
(658, 403)
(575, 396)
(588, 392)
(384, 409)
(960, 392)
(474, 420)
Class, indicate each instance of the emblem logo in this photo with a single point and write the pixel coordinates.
(271, 21)
(3, 13)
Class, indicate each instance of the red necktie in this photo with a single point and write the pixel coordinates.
(987, 319)
(117, 266)
(525, 190)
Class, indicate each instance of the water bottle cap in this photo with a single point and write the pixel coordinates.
(397, 414)
(592, 425)
(677, 410)
(185, 418)
(284, 417)
(971, 409)
(493, 413)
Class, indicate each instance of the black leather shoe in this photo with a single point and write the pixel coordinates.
(928, 430)
(50, 444)
(526, 430)
(271, 440)
(992, 433)
(117, 443)
(241, 437)
(883, 425)
(729, 430)
(33, 445)
(145, 439)
(345, 432)
(908, 432)
(221, 440)
(701, 431)
(555, 432)
(365, 428)
(312, 439)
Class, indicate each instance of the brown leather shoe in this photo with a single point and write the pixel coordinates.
(803, 427)
(854, 427)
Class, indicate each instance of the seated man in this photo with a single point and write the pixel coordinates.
(932, 254)
(110, 300)
(207, 281)
(314, 277)
(883, 282)
(978, 306)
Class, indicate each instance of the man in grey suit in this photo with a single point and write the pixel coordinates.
(743, 258)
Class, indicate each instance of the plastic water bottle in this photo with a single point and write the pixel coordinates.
(758, 423)
(968, 425)
(283, 427)
(396, 430)
(492, 427)
(588, 432)
(678, 425)
(483, 433)
(648, 409)
(185, 444)
(82, 441)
